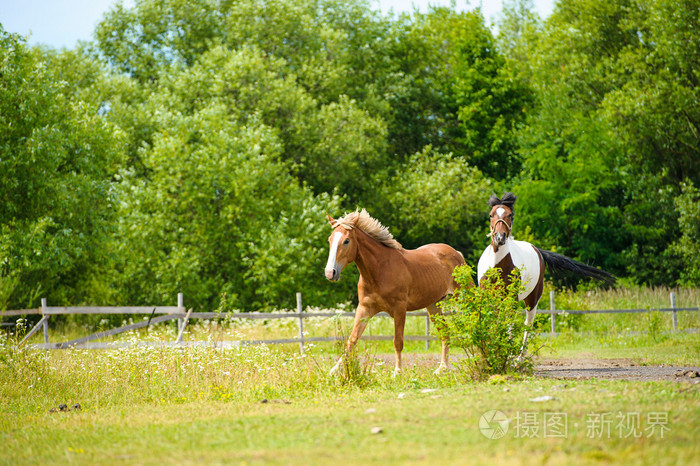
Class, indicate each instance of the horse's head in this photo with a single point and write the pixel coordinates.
(343, 249)
(501, 219)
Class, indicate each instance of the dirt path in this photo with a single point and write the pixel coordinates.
(620, 369)
(587, 367)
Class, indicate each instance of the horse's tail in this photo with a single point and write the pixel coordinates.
(558, 263)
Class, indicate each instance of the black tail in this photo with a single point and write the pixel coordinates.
(558, 263)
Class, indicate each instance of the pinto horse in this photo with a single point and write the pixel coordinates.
(506, 254)
(392, 279)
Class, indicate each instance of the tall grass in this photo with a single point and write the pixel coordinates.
(630, 297)
(34, 381)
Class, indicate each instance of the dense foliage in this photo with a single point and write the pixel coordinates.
(195, 146)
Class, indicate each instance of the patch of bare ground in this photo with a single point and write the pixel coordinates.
(589, 367)
(585, 367)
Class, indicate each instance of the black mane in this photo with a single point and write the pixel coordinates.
(508, 200)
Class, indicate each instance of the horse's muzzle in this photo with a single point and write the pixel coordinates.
(500, 238)
(332, 274)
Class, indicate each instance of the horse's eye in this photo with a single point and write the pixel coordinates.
(347, 241)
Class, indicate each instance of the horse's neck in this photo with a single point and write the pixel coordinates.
(370, 255)
(502, 251)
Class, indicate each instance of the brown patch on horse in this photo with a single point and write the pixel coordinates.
(505, 266)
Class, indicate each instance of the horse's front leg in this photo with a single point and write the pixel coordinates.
(434, 310)
(362, 315)
(399, 323)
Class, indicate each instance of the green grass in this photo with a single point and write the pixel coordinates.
(202, 405)
(156, 405)
(438, 428)
(670, 348)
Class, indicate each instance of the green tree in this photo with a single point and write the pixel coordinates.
(492, 99)
(519, 28)
(654, 107)
(316, 39)
(687, 247)
(326, 146)
(437, 198)
(58, 159)
(458, 95)
(592, 148)
(219, 215)
(156, 34)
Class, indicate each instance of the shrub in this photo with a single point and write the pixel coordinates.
(487, 323)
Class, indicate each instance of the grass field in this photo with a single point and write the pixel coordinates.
(441, 427)
(202, 405)
(260, 405)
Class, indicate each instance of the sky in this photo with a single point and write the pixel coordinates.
(62, 23)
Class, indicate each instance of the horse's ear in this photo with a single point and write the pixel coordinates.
(494, 201)
(330, 219)
(509, 200)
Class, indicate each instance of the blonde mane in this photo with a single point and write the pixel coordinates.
(369, 225)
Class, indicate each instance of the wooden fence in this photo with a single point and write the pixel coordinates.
(179, 312)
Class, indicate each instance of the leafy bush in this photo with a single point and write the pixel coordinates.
(487, 323)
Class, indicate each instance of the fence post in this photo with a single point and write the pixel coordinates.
(552, 308)
(301, 324)
(178, 340)
(427, 331)
(673, 306)
(181, 305)
(46, 322)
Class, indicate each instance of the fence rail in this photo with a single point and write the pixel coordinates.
(183, 316)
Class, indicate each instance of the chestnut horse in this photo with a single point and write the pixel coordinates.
(506, 253)
(392, 279)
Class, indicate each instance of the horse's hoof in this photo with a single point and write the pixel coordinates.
(440, 369)
(334, 369)
(397, 371)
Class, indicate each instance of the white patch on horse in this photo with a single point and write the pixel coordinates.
(526, 259)
(489, 259)
(330, 265)
(500, 211)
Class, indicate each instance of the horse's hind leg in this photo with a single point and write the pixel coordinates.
(434, 310)
(529, 318)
